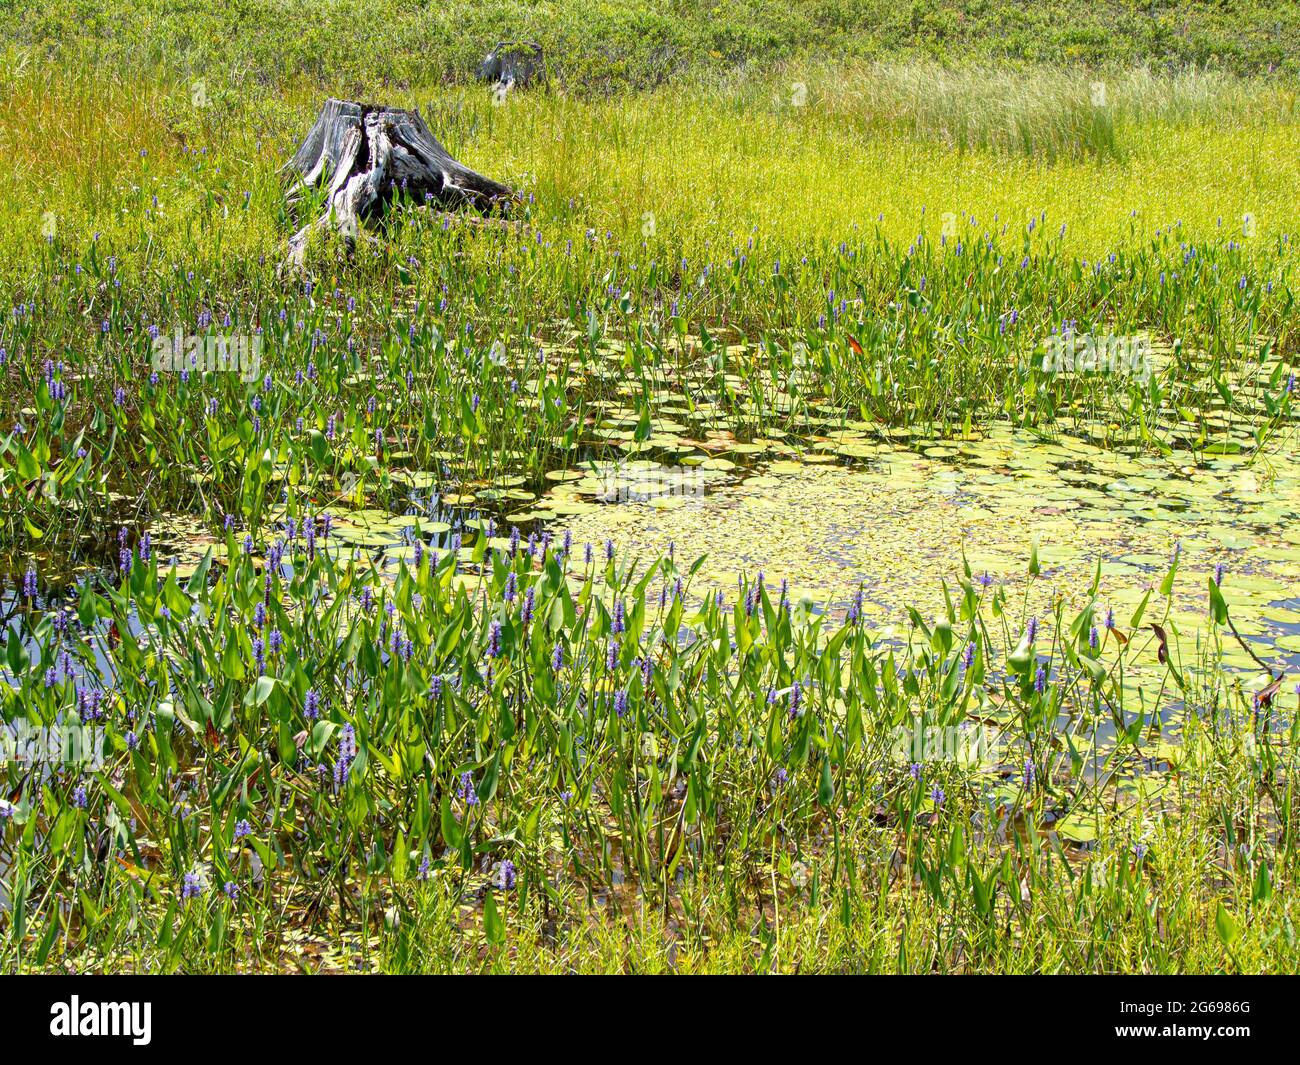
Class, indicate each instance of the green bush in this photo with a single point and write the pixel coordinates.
(595, 45)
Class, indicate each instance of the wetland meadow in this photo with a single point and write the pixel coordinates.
(841, 514)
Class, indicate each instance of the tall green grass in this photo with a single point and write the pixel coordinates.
(1053, 113)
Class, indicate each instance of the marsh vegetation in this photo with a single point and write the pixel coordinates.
(843, 517)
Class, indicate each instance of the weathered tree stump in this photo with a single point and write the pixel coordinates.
(514, 64)
(365, 155)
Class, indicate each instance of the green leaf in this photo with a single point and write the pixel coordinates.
(19, 660)
(319, 448)
(1262, 890)
(1136, 619)
(28, 468)
(1167, 585)
(452, 833)
(1226, 925)
(1023, 659)
(232, 662)
(643, 426)
(493, 925)
(260, 692)
(826, 791)
(1218, 608)
(87, 611)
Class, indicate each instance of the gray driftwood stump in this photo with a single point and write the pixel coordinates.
(514, 64)
(365, 155)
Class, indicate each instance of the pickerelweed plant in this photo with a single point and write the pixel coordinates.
(295, 730)
(348, 398)
(677, 270)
